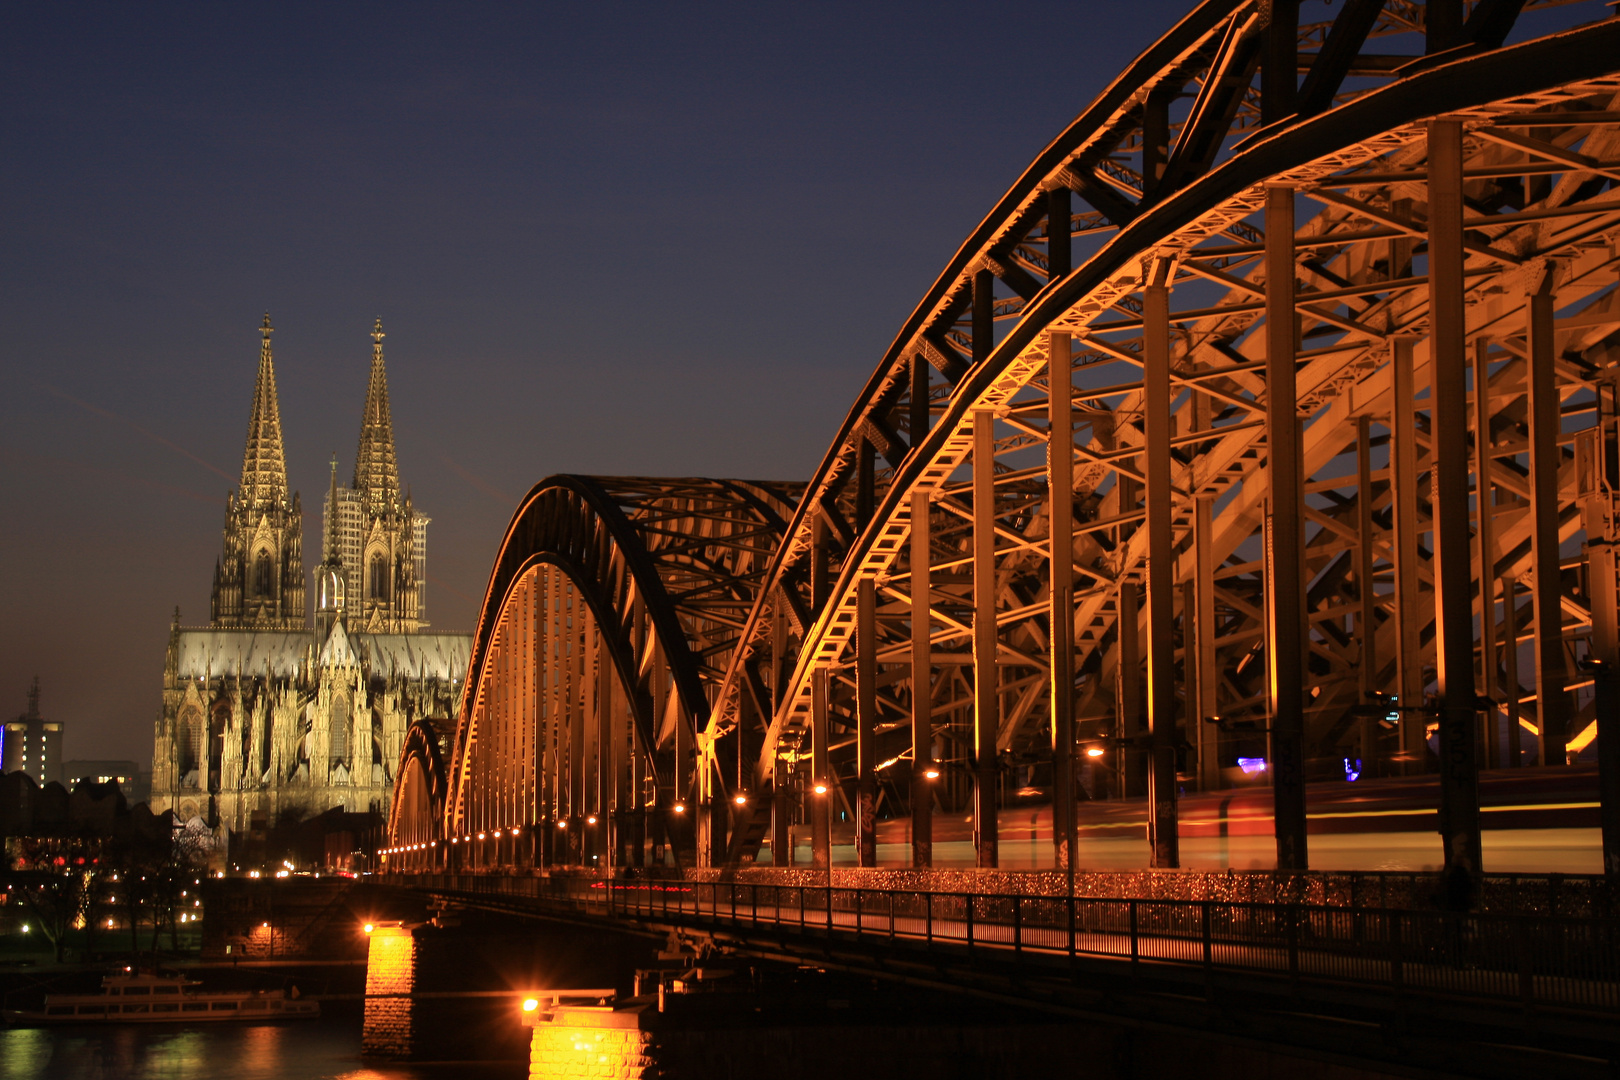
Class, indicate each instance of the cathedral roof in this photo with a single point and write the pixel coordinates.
(436, 656)
(264, 465)
(376, 472)
(204, 653)
(215, 653)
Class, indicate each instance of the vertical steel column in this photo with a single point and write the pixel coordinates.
(1367, 615)
(781, 813)
(1453, 555)
(865, 722)
(1128, 695)
(1203, 632)
(1485, 506)
(986, 678)
(1403, 468)
(1552, 700)
(1156, 439)
(1060, 597)
(922, 689)
(1287, 636)
(591, 711)
(1510, 671)
(1604, 594)
(821, 774)
(577, 674)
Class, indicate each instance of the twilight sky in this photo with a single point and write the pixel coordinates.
(619, 238)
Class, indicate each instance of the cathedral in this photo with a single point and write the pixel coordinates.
(265, 714)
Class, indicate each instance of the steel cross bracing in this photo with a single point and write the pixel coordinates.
(1361, 165)
(608, 621)
(1259, 201)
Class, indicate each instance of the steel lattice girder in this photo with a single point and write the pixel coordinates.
(666, 568)
(1372, 144)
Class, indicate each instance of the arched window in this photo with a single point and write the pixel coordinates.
(340, 729)
(188, 738)
(264, 575)
(331, 596)
(379, 577)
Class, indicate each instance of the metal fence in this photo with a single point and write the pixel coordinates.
(1541, 961)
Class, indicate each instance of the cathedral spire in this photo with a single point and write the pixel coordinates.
(376, 472)
(264, 466)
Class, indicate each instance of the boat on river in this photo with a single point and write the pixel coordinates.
(148, 998)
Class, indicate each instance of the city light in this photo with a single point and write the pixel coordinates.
(562, 824)
(740, 799)
(930, 773)
(821, 789)
(370, 927)
(591, 820)
(1095, 751)
(680, 808)
(530, 1004)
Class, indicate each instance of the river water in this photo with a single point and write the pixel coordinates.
(324, 1049)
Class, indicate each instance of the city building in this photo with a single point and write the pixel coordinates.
(265, 715)
(33, 744)
(134, 782)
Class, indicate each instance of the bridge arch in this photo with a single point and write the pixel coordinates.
(1155, 301)
(1053, 521)
(604, 630)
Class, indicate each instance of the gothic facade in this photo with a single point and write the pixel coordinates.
(263, 713)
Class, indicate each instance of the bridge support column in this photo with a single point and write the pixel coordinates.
(1060, 612)
(1156, 437)
(1287, 634)
(922, 684)
(1552, 700)
(865, 722)
(1448, 402)
(1366, 615)
(820, 775)
(781, 814)
(986, 677)
(1485, 543)
(1404, 476)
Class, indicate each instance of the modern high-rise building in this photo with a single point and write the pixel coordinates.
(264, 714)
(33, 744)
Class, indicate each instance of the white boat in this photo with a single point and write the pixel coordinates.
(143, 998)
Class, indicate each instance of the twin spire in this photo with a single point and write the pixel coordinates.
(264, 465)
(264, 462)
(376, 472)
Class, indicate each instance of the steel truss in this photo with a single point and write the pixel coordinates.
(1397, 259)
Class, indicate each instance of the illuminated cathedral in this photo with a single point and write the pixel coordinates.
(264, 713)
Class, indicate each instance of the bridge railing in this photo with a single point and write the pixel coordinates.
(1540, 961)
(1558, 962)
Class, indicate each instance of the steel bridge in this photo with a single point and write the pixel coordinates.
(1271, 413)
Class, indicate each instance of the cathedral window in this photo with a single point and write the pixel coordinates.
(264, 575)
(340, 729)
(379, 577)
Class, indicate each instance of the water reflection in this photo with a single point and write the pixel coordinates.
(327, 1049)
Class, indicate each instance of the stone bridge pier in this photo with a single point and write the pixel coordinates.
(451, 985)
